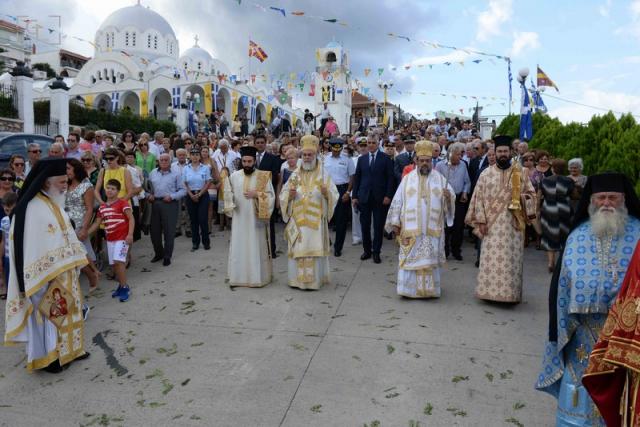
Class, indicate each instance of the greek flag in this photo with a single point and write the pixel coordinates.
(115, 101)
(215, 88)
(538, 103)
(526, 120)
(175, 96)
(510, 80)
(254, 104)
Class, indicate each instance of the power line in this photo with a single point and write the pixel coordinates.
(590, 106)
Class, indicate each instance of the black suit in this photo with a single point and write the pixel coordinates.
(371, 185)
(475, 168)
(402, 161)
(271, 163)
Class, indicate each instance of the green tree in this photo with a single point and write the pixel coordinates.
(43, 66)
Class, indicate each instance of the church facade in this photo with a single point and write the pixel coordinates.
(137, 65)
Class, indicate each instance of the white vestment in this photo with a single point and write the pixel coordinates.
(307, 231)
(52, 255)
(249, 259)
(420, 210)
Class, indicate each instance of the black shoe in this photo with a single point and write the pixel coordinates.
(376, 258)
(458, 257)
(207, 247)
(166, 262)
(194, 248)
(477, 263)
(365, 255)
(337, 253)
(156, 258)
(178, 233)
(188, 234)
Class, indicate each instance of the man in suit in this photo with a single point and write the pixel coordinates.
(268, 162)
(372, 191)
(404, 159)
(478, 163)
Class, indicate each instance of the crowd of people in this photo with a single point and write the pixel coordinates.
(425, 188)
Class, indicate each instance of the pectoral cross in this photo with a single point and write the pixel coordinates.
(582, 354)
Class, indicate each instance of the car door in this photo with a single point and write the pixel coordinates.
(14, 144)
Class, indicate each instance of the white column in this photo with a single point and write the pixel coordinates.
(182, 119)
(24, 87)
(59, 110)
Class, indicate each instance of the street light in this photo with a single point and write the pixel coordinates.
(385, 86)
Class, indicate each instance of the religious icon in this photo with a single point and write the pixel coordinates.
(58, 307)
(57, 303)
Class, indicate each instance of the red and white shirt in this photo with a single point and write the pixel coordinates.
(115, 221)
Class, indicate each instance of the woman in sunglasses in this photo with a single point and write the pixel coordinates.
(90, 165)
(17, 165)
(114, 170)
(128, 142)
(145, 159)
(7, 179)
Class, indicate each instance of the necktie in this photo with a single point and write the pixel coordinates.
(259, 159)
(411, 156)
(371, 159)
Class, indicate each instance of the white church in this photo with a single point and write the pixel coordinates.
(137, 65)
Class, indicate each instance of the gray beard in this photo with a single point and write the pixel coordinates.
(424, 171)
(59, 198)
(605, 224)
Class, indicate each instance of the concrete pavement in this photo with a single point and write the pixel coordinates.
(188, 350)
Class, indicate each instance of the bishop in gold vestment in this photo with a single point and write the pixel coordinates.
(307, 202)
(421, 207)
(497, 215)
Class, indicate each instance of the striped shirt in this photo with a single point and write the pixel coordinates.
(116, 223)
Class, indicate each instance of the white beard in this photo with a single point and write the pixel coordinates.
(608, 223)
(58, 198)
(309, 166)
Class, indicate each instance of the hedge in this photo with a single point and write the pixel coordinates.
(113, 122)
(604, 144)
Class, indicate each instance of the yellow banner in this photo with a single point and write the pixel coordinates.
(268, 118)
(293, 120)
(144, 104)
(88, 101)
(208, 101)
(234, 105)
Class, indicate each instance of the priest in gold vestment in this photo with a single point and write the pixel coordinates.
(497, 213)
(44, 301)
(422, 205)
(249, 198)
(307, 202)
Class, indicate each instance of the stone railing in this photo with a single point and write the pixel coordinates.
(11, 125)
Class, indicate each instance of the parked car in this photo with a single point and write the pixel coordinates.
(17, 143)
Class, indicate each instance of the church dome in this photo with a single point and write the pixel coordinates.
(333, 45)
(196, 53)
(139, 17)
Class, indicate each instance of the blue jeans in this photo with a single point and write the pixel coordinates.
(198, 213)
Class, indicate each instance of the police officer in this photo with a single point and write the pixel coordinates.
(341, 169)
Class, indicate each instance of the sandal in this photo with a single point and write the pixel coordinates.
(3, 296)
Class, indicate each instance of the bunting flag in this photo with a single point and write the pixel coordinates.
(367, 71)
(297, 13)
(544, 80)
(277, 9)
(256, 51)
(380, 71)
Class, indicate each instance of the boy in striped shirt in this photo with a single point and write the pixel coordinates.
(117, 217)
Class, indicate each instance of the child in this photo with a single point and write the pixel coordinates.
(8, 203)
(117, 217)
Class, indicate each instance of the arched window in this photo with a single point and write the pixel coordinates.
(185, 65)
(126, 38)
(133, 39)
(199, 65)
(99, 75)
(171, 48)
(149, 41)
(331, 57)
(113, 39)
(155, 42)
(107, 40)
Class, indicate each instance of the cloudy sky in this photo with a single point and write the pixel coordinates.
(588, 47)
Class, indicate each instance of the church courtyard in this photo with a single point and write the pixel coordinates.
(188, 350)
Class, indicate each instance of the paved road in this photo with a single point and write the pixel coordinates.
(188, 350)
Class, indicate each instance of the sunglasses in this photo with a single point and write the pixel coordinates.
(7, 178)
(143, 145)
(18, 164)
(87, 160)
(108, 159)
(35, 151)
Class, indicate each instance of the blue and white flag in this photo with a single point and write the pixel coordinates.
(254, 104)
(115, 100)
(526, 119)
(215, 88)
(538, 103)
(175, 96)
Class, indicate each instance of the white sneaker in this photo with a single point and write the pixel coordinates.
(356, 242)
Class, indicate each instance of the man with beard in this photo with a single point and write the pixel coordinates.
(45, 257)
(497, 215)
(307, 202)
(421, 206)
(249, 198)
(584, 286)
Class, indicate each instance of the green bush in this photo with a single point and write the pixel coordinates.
(117, 122)
(604, 144)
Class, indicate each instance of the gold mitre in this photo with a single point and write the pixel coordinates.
(310, 142)
(424, 148)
